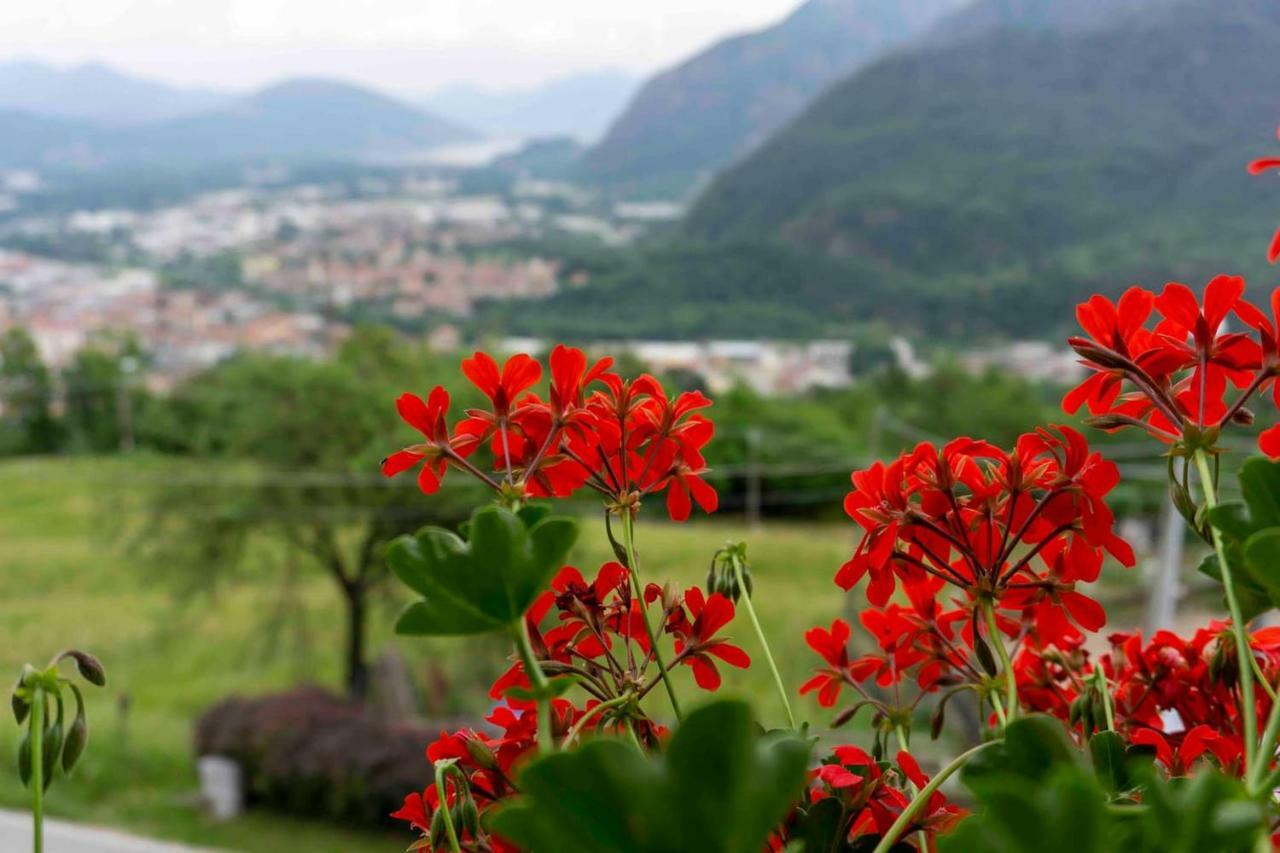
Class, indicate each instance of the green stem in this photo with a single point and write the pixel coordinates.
(628, 542)
(998, 707)
(442, 793)
(764, 644)
(37, 769)
(1262, 678)
(1248, 710)
(904, 744)
(1100, 684)
(635, 738)
(1267, 748)
(541, 687)
(591, 713)
(904, 819)
(993, 634)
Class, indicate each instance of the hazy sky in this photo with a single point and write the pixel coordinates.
(403, 45)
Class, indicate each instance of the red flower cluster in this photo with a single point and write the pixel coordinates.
(1178, 696)
(924, 641)
(1257, 167)
(1020, 529)
(624, 439)
(873, 794)
(593, 631)
(1172, 378)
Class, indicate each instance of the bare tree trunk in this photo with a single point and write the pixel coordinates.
(357, 667)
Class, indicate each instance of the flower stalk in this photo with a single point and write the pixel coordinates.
(37, 769)
(541, 687)
(904, 819)
(629, 544)
(736, 561)
(1239, 630)
(1011, 683)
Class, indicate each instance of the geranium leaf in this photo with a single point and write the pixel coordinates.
(720, 788)
(481, 584)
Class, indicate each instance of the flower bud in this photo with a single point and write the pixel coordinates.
(481, 754)
(1243, 417)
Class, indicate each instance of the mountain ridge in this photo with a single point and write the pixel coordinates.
(700, 114)
(305, 117)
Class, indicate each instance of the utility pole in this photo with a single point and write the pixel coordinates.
(1162, 601)
(754, 497)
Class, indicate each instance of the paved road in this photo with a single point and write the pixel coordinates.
(63, 837)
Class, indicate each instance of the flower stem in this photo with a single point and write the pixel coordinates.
(628, 542)
(1100, 683)
(764, 644)
(443, 795)
(904, 819)
(1248, 710)
(541, 687)
(37, 769)
(904, 744)
(993, 634)
(591, 713)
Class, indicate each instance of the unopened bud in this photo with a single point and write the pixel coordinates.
(1107, 421)
(1096, 353)
(481, 754)
(1243, 417)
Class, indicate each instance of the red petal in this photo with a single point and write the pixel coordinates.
(1087, 612)
(1177, 303)
(1269, 442)
(703, 494)
(705, 672)
(428, 480)
(401, 460)
(414, 412)
(482, 370)
(730, 654)
(678, 504)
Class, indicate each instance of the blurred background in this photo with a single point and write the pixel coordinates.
(232, 232)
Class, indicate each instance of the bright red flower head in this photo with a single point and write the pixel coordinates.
(427, 418)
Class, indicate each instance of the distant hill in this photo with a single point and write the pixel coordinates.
(294, 120)
(97, 93)
(985, 186)
(1099, 156)
(691, 120)
(579, 106)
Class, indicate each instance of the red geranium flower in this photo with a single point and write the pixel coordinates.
(696, 643)
(427, 418)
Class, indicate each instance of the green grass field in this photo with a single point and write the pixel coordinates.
(69, 577)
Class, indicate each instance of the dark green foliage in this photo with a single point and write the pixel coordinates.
(719, 788)
(1250, 531)
(482, 584)
(26, 397)
(1038, 792)
(312, 434)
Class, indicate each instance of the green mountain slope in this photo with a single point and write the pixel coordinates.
(693, 119)
(1024, 168)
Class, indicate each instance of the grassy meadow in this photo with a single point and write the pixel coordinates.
(71, 575)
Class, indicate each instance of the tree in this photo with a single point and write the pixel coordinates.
(26, 396)
(101, 396)
(293, 447)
